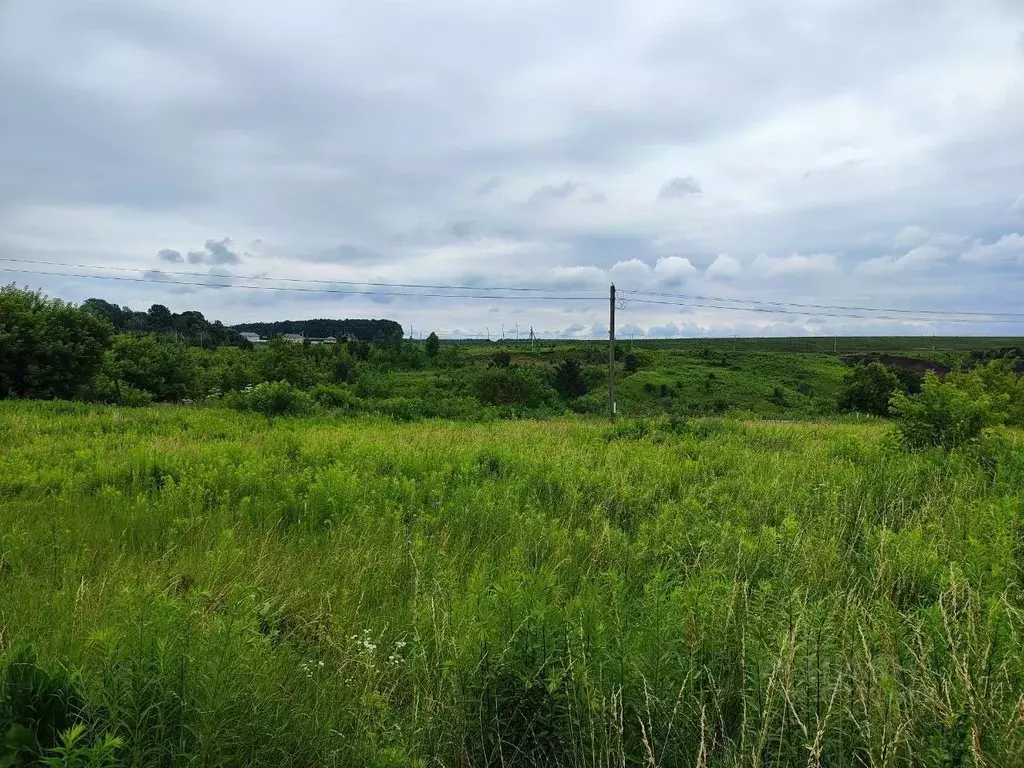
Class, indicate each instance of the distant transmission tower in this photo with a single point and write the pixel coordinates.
(533, 338)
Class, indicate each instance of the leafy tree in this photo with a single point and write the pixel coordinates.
(630, 363)
(501, 360)
(433, 345)
(160, 318)
(569, 379)
(944, 414)
(868, 389)
(48, 348)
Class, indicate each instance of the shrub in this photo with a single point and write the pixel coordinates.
(630, 363)
(511, 386)
(569, 379)
(944, 415)
(328, 396)
(48, 348)
(277, 398)
(868, 389)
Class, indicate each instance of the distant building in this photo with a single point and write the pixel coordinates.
(330, 340)
(296, 338)
(252, 338)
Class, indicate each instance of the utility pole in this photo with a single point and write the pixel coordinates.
(532, 338)
(835, 345)
(517, 333)
(611, 353)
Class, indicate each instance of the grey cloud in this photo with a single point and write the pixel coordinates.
(552, 192)
(197, 257)
(1018, 207)
(681, 186)
(220, 253)
(597, 198)
(490, 186)
(460, 229)
(169, 254)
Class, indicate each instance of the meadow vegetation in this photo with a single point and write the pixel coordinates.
(186, 586)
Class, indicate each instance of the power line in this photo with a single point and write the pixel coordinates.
(296, 279)
(287, 289)
(819, 314)
(822, 306)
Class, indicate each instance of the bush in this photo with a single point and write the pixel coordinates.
(48, 348)
(569, 379)
(944, 415)
(278, 398)
(511, 386)
(630, 363)
(328, 396)
(868, 389)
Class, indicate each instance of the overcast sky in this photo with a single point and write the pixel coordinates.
(853, 152)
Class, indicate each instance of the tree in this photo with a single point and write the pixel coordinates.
(868, 390)
(569, 379)
(48, 347)
(630, 363)
(511, 386)
(433, 345)
(160, 318)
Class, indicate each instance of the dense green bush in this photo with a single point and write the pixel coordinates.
(868, 389)
(512, 386)
(277, 398)
(329, 396)
(945, 414)
(569, 379)
(48, 348)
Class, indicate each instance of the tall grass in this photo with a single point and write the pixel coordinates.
(223, 589)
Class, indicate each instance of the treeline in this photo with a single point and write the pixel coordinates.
(363, 330)
(189, 327)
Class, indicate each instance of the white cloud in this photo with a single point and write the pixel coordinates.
(911, 237)
(631, 273)
(724, 266)
(794, 264)
(673, 270)
(1007, 248)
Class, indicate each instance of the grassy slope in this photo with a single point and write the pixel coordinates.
(228, 591)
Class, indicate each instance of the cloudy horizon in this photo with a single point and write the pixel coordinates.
(838, 152)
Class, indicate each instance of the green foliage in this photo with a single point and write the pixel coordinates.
(511, 386)
(35, 708)
(277, 398)
(48, 348)
(569, 381)
(630, 363)
(229, 590)
(432, 345)
(160, 366)
(328, 396)
(868, 389)
(945, 414)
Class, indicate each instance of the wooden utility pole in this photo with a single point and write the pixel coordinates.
(611, 353)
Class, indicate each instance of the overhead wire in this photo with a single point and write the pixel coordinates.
(435, 286)
(293, 289)
(696, 297)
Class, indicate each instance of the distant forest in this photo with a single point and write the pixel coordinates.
(364, 330)
(194, 329)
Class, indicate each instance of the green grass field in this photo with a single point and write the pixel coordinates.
(214, 588)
